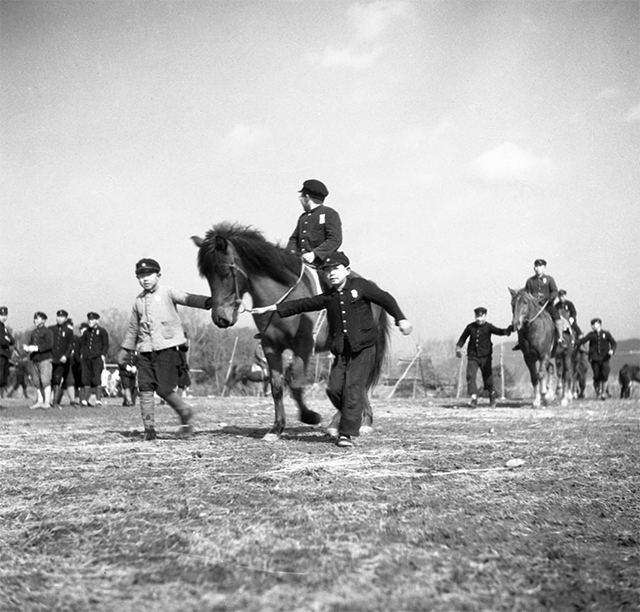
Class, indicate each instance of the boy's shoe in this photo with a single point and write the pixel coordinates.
(150, 434)
(345, 442)
(98, 403)
(36, 406)
(84, 403)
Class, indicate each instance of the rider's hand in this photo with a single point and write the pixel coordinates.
(458, 353)
(262, 309)
(405, 327)
(308, 257)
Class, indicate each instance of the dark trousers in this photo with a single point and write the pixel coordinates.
(159, 371)
(59, 374)
(601, 371)
(347, 387)
(484, 365)
(92, 371)
(4, 371)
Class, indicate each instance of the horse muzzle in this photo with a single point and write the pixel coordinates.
(224, 317)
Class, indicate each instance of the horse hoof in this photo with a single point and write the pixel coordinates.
(564, 402)
(271, 437)
(332, 431)
(365, 430)
(310, 418)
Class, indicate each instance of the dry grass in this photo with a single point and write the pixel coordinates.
(422, 515)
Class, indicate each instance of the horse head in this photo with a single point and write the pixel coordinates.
(521, 303)
(219, 263)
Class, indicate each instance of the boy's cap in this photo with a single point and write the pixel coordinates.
(539, 262)
(40, 314)
(335, 259)
(4, 310)
(562, 292)
(147, 266)
(62, 313)
(480, 310)
(596, 320)
(92, 315)
(314, 188)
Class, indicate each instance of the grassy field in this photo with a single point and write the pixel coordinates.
(424, 514)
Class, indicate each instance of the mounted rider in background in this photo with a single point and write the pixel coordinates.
(544, 289)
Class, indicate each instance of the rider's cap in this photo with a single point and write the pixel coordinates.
(480, 310)
(335, 259)
(314, 188)
(40, 314)
(596, 320)
(92, 316)
(147, 266)
(62, 313)
(539, 262)
(562, 292)
(4, 310)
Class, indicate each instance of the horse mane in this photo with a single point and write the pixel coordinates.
(259, 256)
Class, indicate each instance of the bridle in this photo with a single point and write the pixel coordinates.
(235, 268)
(530, 321)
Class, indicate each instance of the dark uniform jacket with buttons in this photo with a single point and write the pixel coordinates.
(62, 343)
(600, 343)
(349, 313)
(318, 231)
(480, 344)
(543, 288)
(6, 341)
(568, 307)
(94, 342)
(42, 337)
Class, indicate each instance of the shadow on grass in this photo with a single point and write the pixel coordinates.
(301, 433)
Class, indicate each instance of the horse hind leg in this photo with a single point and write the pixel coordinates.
(367, 417)
(296, 380)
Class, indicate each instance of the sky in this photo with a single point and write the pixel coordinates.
(459, 141)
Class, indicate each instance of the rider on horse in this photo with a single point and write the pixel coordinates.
(544, 289)
(318, 232)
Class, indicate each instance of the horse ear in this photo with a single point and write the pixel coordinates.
(513, 292)
(221, 243)
(197, 240)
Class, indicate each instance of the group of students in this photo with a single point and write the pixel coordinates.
(543, 288)
(58, 360)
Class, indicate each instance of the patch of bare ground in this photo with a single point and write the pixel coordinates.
(424, 514)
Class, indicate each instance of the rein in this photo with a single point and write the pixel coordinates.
(539, 312)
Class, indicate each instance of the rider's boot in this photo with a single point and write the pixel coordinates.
(560, 332)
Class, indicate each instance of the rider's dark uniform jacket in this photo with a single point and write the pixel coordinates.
(62, 342)
(480, 344)
(600, 343)
(349, 313)
(318, 231)
(568, 307)
(542, 287)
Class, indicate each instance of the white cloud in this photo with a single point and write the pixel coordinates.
(242, 137)
(633, 116)
(370, 21)
(509, 163)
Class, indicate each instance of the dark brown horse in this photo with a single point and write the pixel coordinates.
(537, 339)
(237, 260)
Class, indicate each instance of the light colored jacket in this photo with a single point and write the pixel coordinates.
(155, 324)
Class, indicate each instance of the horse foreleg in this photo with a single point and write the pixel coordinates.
(296, 384)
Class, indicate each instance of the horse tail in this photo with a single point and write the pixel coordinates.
(382, 344)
